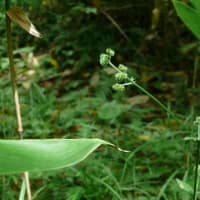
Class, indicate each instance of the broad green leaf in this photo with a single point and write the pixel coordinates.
(37, 155)
(196, 4)
(190, 17)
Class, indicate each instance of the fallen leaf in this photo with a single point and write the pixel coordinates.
(17, 15)
(138, 100)
(144, 137)
(109, 71)
(94, 80)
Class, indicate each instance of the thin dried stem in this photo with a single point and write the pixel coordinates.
(15, 91)
(28, 186)
(117, 26)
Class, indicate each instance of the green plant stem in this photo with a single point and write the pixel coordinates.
(132, 81)
(114, 67)
(196, 62)
(15, 91)
(153, 98)
(163, 188)
(194, 79)
(196, 169)
(13, 71)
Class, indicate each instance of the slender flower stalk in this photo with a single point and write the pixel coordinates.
(123, 79)
(15, 91)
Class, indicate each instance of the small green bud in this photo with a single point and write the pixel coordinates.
(110, 52)
(121, 76)
(104, 60)
(122, 68)
(132, 80)
(118, 87)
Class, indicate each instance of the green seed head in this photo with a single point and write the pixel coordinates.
(104, 60)
(122, 68)
(121, 76)
(132, 80)
(110, 52)
(118, 87)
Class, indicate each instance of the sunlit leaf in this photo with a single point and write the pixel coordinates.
(190, 17)
(196, 4)
(184, 186)
(20, 17)
(137, 100)
(37, 155)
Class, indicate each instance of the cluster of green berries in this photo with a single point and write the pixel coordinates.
(106, 57)
(121, 75)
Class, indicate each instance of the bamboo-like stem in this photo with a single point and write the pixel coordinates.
(196, 170)
(196, 63)
(15, 91)
(13, 73)
(196, 175)
(28, 185)
(194, 80)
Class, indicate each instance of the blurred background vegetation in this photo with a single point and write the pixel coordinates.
(64, 93)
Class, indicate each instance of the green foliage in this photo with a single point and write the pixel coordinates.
(39, 155)
(196, 4)
(189, 15)
(184, 186)
(123, 79)
(64, 94)
(110, 111)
